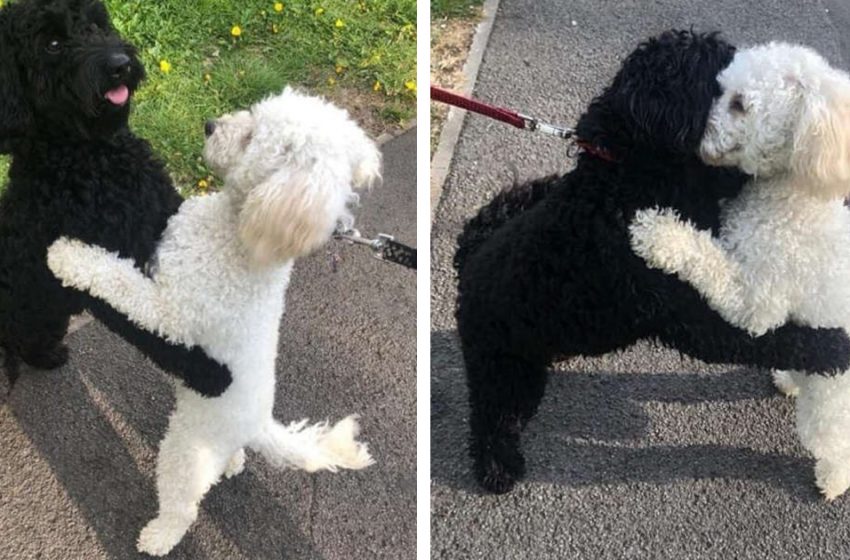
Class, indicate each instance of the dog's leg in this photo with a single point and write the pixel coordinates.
(504, 393)
(823, 425)
(314, 447)
(708, 337)
(187, 467)
(665, 242)
(115, 280)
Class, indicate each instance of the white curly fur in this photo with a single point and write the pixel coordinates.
(218, 282)
(784, 248)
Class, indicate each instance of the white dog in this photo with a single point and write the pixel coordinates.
(218, 282)
(784, 247)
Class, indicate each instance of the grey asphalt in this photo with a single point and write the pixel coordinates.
(79, 444)
(640, 454)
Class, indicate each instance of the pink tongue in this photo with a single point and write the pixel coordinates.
(119, 95)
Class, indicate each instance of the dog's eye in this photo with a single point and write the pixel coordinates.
(54, 47)
(736, 105)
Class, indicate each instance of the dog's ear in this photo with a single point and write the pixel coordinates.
(15, 112)
(292, 214)
(367, 165)
(821, 149)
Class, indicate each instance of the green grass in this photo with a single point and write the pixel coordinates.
(453, 8)
(328, 46)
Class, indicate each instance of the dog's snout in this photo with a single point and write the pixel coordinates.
(118, 63)
(209, 128)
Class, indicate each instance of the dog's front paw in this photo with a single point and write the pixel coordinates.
(47, 358)
(162, 534)
(661, 238)
(832, 478)
(784, 381)
(67, 259)
(236, 464)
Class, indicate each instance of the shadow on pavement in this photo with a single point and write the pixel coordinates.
(94, 426)
(590, 428)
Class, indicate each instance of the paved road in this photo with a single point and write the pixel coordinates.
(639, 454)
(78, 445)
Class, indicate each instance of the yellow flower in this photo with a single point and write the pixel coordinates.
(319, 11)
(236, 31)
(339, 69)
(164, 66)
(339, 23)
(411, 85)
(331, 81)
(207, 78)
(203, 184)
(377, 86)
(275, 28)
(278, 7)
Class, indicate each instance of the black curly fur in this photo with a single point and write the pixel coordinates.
(546, 270)
(77, 171)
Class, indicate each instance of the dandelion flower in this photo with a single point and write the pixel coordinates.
(339, 23)
(411, 85)
(207, 78)
(319, 11)
(339, 69)
(236, 31)
(203, 184)
(377, 86)
(275, 28)
(331, 81)
(278, 7)
(164, 66)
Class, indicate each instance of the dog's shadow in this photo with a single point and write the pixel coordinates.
(592, 429)
(99, 430)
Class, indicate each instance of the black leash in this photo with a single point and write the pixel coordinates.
(384, 247)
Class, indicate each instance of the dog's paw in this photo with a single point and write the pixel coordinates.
(47, 359)
(499, 475)
(161, 535)
(784, 381)
(832, 478)
(661, 238)
(236, 464)
(340, 448)
(64, 257)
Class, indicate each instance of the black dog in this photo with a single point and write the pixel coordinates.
(66, 82)
(546, 270)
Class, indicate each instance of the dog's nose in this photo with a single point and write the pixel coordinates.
(209, 128)
(118, 63)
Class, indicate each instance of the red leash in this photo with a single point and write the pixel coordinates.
(517, 120)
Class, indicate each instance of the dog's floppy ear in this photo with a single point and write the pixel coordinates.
(367, 165)
(292, 214)
(821, 151)
(15, 112)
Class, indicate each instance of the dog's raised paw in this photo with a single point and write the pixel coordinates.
(161, 535)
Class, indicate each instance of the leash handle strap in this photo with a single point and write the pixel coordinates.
(394, 252)
(505, 115)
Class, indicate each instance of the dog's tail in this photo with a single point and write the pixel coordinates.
(509, 203)
(314, 447)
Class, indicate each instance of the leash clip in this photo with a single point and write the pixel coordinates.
(354, 237)
(536, 125)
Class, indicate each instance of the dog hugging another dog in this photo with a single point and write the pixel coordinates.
(547, 269)
(198, 285)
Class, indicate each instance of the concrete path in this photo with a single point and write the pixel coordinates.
(642, 454)
(79, 444)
